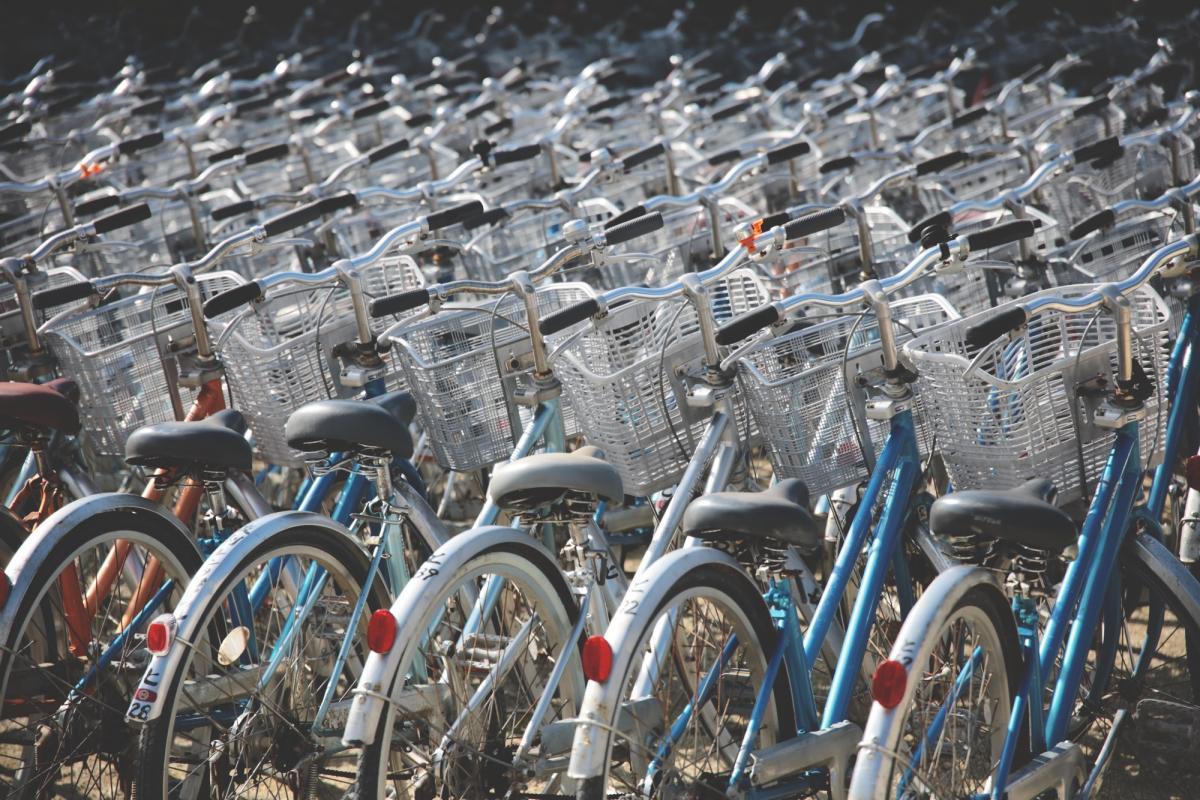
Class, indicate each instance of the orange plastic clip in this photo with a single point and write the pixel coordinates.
(88, 170)
(748, 242)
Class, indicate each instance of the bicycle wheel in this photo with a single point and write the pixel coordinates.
(945, 736)
(490, 679)
(721, 637)
(1150, 684)
(238, 716)
(66, 687)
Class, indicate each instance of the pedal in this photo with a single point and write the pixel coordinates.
(1166, 735)
(831, 748)
(1060, 768)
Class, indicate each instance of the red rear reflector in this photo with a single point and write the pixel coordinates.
(887, 685)
(597, 659)
(1193, 472)
(159, 635)
(381, 631)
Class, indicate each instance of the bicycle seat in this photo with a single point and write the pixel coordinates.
(380, 423)
(1022, 515)
(545, 478)
(215, 444)
(780, 513)
(38, 406)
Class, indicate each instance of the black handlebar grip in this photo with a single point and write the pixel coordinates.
(990, 330)
(234, 298)
(475, 110)
(773, 221)
(122, 219)
(942, 219)
(142, 142)
(838, 108)
(1093, 107)
(270, 152)
(386, 150)
(631, 229)
(939, 163)
(566, 317)
(967, 117)
(731, 110)
(233, 209)
(1105, 148)
(489, 217)
(512, 156)
(496, 127)
(370, 109)
(833, 164)
(453, 216)
(15, 131)
(226, 154)
(334, 78)
(815, 222)
(709, 84)
(723, 157)
(253, 104)
(339, 202)
(417, 120)
(97, 204)
(1101, 219)
(746, 324)
(634, 212)
(148, 107)
(787, 152)
(1000, 234)
(399, 303)
(612, 101)
(640, 157)
(291, 220)
(60, 295)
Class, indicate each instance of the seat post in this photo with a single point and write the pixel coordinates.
(383, 479)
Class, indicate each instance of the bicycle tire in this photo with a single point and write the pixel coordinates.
(540, 578)
(722, 586)
(888, 736)
(88, 730)
(342, 554)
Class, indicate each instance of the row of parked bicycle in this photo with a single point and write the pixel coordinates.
(510, 432)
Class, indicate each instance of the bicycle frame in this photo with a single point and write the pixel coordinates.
(893, 480)
(1090, 587)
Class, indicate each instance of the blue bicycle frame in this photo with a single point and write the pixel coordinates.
(893, 481)
(1090, 586)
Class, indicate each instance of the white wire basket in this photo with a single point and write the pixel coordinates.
(830, 261)
(1142, 170)
(1022, 407)
(1111, 254)
(526, 240)
(627, 370)
(979, 180)
(279, 354)
(802, 388)
(119, 353)
(464, 365)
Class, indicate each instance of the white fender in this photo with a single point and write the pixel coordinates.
(216, 570)
(637, 611)
(416, 600)
(883, 728)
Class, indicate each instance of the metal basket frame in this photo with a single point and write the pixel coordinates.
(805, 391)
(1023, 406)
